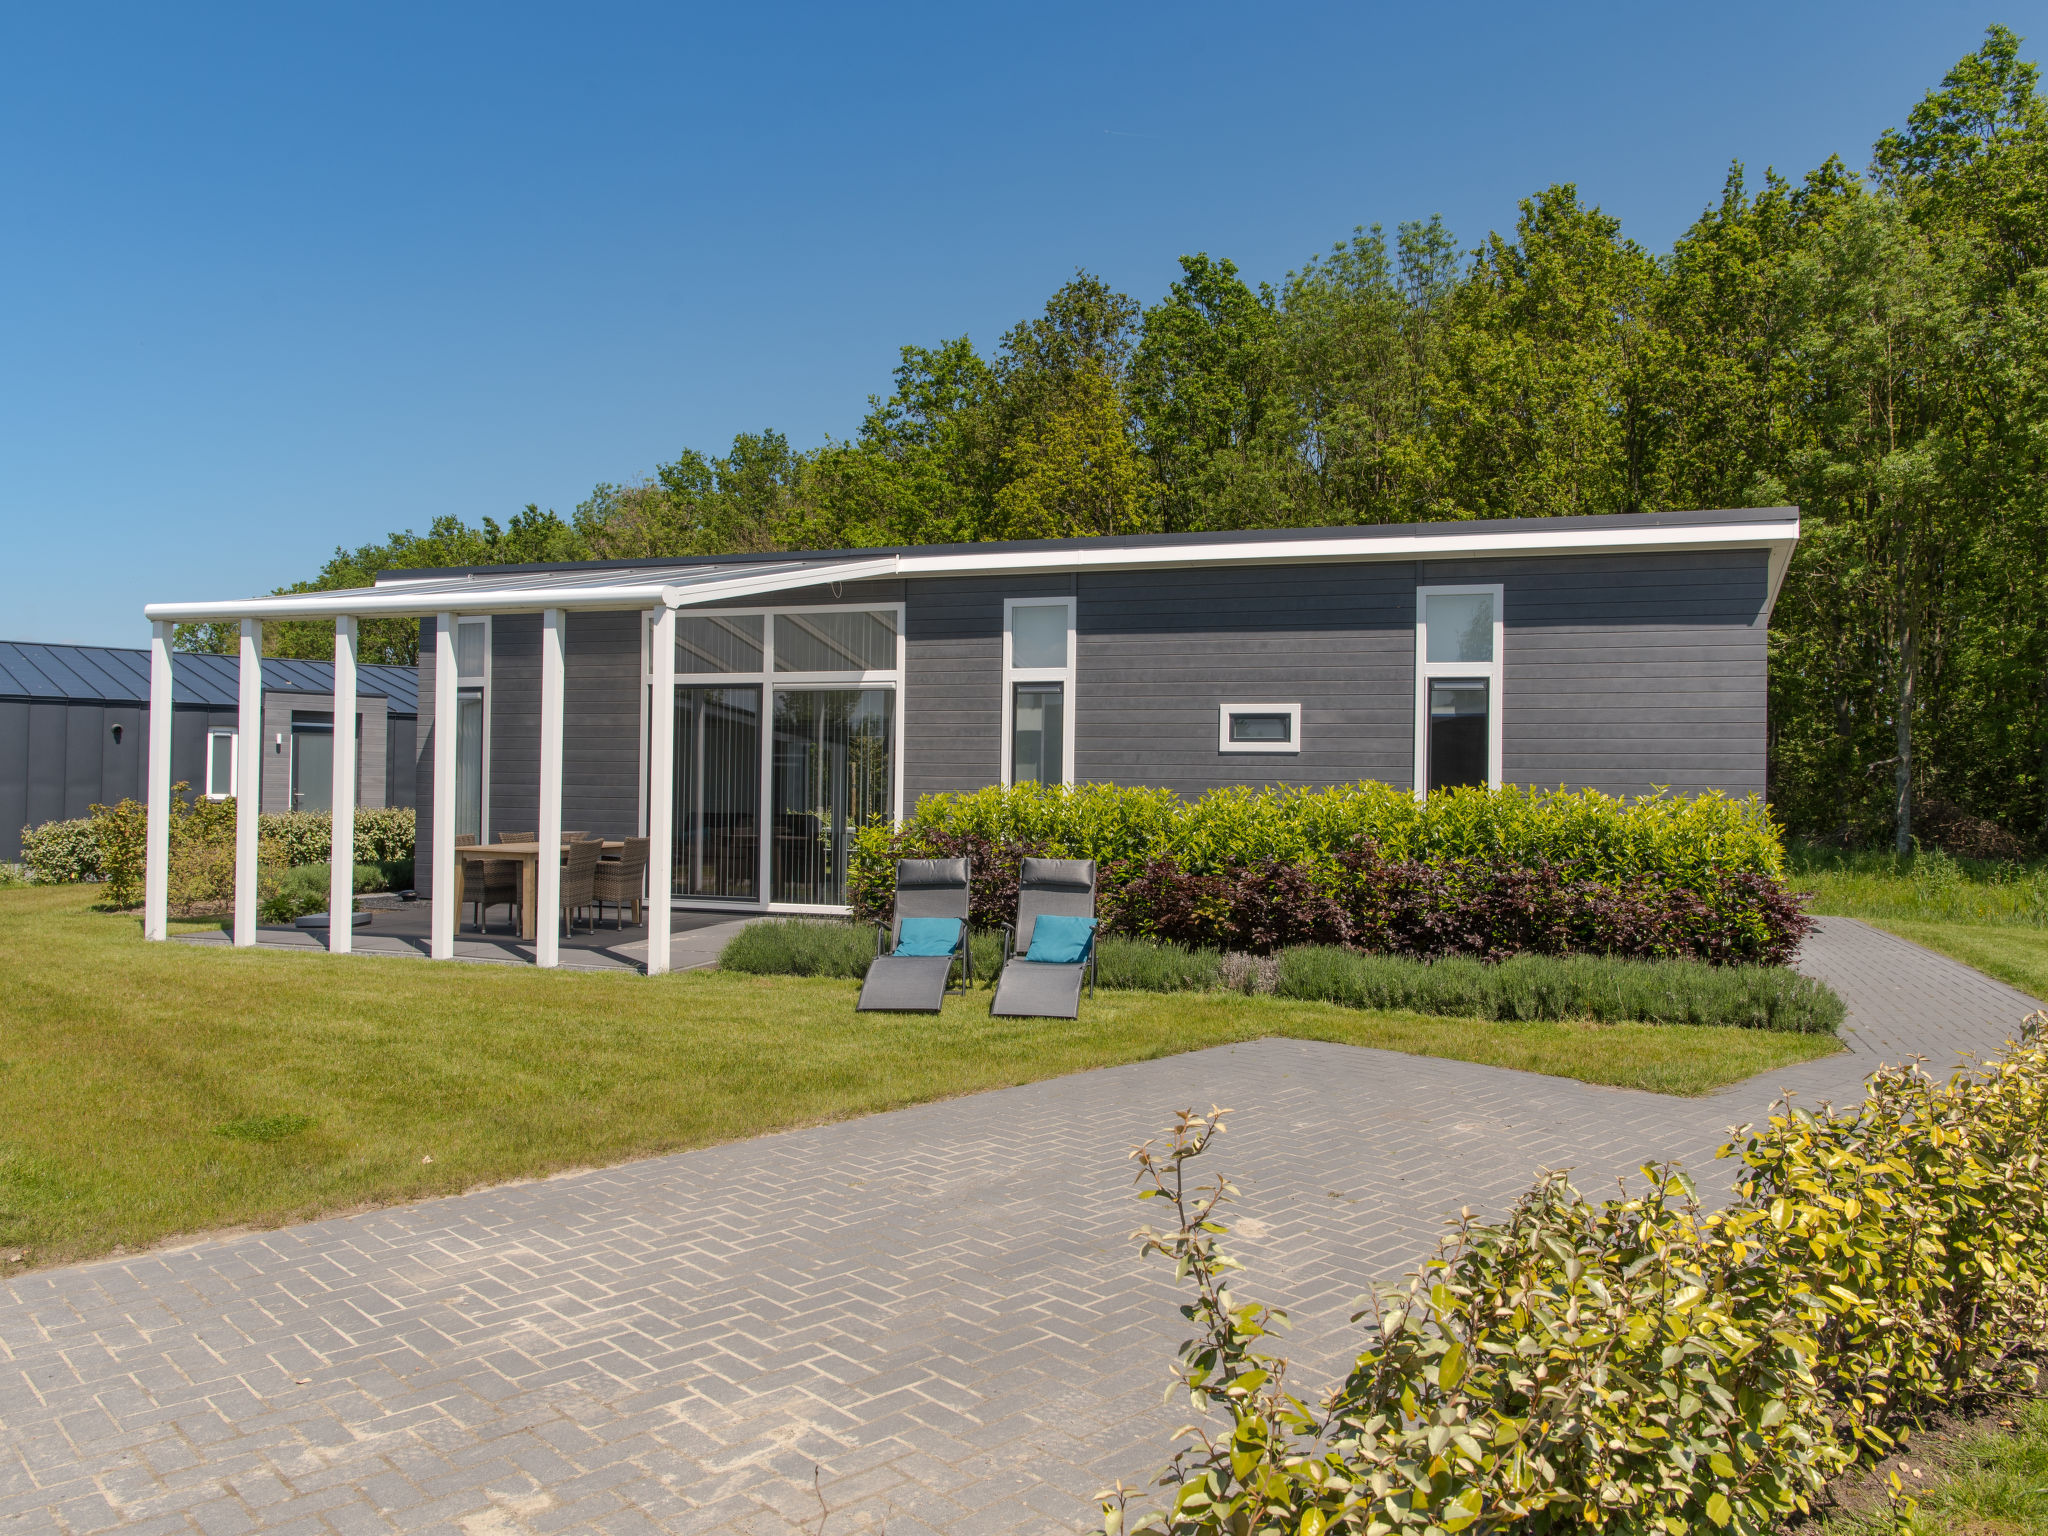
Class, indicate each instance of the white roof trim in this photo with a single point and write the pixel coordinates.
(681, 585)
(527, 592)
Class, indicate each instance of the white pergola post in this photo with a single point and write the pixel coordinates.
(661, 790)
(547, 896)
(442, 944)
(341, 846)
(248, 781)
(156, 860)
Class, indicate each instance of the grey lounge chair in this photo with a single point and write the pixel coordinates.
(919, 983)
(1036, 989)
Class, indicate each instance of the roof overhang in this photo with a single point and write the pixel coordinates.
(682, 586)
(482, 593)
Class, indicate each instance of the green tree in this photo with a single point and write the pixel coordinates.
(1078, 474)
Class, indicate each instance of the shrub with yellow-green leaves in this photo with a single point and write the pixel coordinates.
(1643, 1364)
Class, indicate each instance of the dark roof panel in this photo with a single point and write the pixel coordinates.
(118, 675)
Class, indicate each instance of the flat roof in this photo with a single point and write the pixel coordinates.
(615, 584)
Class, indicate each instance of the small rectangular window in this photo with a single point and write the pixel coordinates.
(1458, 711)
(1038, 734)
(1260, 728)
(220, 765)
(836, 642)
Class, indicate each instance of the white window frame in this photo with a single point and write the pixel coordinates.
(485, 828)
(1014, 674)
(214, 736)
(1494, 673)
(769, 680)
(1225, 744)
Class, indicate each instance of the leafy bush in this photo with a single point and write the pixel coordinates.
(384, 834)
(1642, 1364)
(59, 852)
(302, 888)
(1487, 873)
(1567, 987)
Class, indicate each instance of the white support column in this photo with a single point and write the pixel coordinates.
(156, 862)
(661, 790)
(547, 896)
(248, 781)
(442, 944)
(341, 847)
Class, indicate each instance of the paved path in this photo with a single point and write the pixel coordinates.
(938, 1310)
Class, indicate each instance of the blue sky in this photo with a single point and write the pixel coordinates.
(281, 278)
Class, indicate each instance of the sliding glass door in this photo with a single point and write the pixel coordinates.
(718, 792)
(833, 751)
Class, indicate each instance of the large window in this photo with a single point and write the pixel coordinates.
(766, 810)
(472, 725)
(1038, 690)
(1458, 672)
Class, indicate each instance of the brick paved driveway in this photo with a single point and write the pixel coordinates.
(937, 1310)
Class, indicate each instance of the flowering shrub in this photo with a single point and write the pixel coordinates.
(1641, 1364)
(1469, 872)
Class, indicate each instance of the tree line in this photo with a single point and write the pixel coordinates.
(1872, 346)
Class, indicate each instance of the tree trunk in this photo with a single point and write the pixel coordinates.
(1902, 795)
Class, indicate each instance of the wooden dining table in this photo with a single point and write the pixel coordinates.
(528, 855)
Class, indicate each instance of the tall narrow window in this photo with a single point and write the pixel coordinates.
(472, 726)
(220, 765)
(718, 792)
(1458, 675)
(1038, 690)
(1037, 734)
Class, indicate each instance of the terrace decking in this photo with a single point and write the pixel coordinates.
(407, 931)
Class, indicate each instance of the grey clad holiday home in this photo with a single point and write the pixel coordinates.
(748, 712)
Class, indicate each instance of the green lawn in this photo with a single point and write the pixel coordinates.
(148, 1090)
(1991, 916)
(1991, 1481)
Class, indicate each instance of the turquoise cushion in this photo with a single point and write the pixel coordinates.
(1061, 940)
(928, 936)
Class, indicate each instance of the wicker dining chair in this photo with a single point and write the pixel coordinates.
(623, 880)
(579, 880)
(488, 883)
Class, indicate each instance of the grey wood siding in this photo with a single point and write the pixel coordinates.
(602, 682)
(1161, 653)
(1629, 672)
(953, 680)
(59, 759)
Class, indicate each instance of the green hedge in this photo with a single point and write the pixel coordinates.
(1643, 1364)
(1528, 987)
(1587, 835)
(58, 852)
